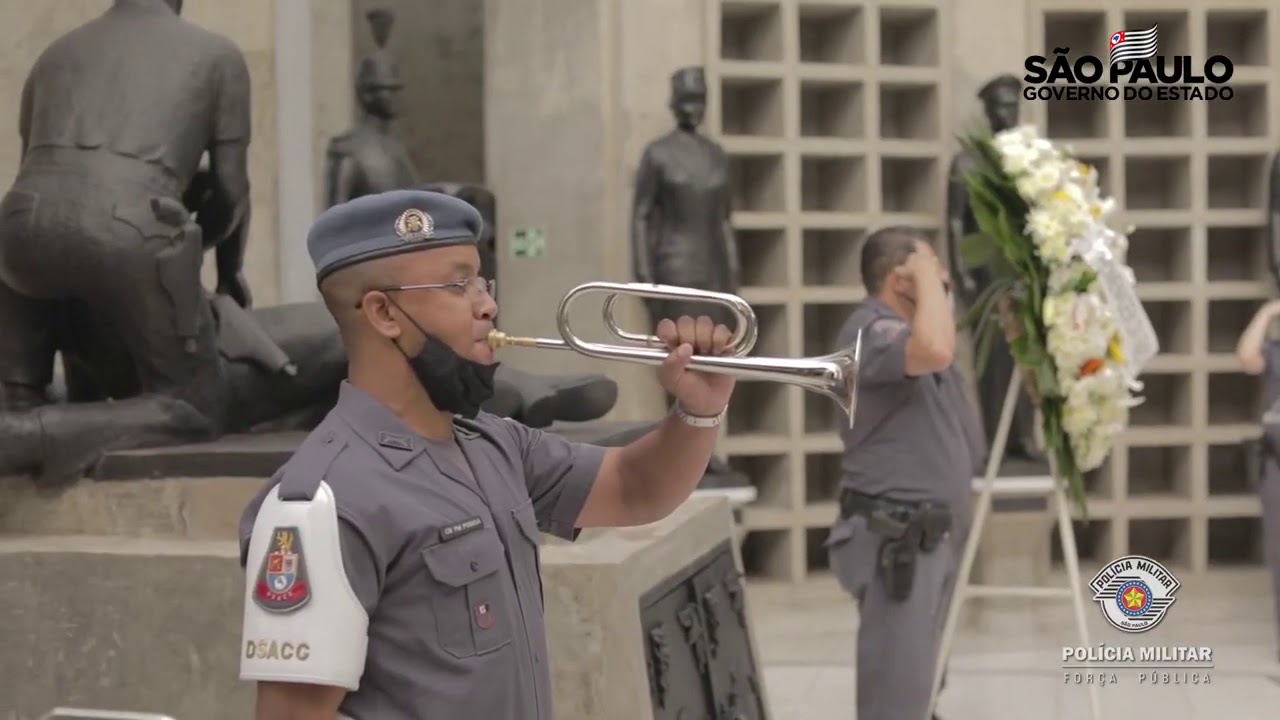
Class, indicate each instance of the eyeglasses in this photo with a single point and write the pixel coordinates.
(474, 289)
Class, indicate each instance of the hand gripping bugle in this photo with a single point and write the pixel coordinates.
(834, 375)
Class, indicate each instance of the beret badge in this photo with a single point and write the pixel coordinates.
(413, 224)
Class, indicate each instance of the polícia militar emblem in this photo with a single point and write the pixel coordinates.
(282, 585)
(1134, 592)
(413, 224)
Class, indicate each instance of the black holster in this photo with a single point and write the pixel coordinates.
(906, 529)
(1258, 450)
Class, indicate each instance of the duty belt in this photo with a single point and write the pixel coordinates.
(906, 530)
(895, 519)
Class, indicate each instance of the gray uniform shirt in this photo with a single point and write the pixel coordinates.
(139, 82)
(913, 438)
(440, 544)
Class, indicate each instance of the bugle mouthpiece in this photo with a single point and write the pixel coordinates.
(499, 339)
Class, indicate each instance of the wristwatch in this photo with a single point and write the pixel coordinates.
(700, 421)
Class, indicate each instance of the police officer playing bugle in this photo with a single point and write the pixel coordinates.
(1260, 355)
(907, 472)
(392, 563)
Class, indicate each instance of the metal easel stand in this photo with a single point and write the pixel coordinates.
(987, 487)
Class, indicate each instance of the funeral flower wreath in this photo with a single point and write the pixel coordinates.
(1058, 295)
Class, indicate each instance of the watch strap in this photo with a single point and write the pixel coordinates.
(700, 421)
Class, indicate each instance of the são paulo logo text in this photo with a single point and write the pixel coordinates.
(1133, 69)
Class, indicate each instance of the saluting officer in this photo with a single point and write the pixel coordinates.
(1259, 355)
(392, 563)
(908, 466)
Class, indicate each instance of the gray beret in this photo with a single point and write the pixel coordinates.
(389, 223)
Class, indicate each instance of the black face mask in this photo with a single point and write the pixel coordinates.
(454, 383)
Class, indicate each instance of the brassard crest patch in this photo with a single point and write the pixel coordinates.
(282, 585)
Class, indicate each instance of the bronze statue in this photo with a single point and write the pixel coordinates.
(99, 258)
(367, 158)
(1000, 97)
(102, 239)
(680, 228)
(1273, 219)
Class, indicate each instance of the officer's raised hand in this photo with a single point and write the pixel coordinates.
(920, 264)
(698, 393)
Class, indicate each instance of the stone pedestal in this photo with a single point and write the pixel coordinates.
(596, 593)
(124, 596)
(127, 596)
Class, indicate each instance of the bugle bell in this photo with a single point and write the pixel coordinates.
(834, 375)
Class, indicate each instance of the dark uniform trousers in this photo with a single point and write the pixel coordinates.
(98, 258)
(1269, 494)
(1268, 474)
(917, 439)
(898, 637)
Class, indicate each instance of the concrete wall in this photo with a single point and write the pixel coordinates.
(314, 70)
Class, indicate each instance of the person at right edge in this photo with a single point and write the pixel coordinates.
(1260, 355)
(909, 462)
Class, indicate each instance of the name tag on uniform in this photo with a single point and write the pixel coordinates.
(458, 529)
(395, 442)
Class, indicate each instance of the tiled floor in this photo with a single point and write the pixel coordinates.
(1007, 659)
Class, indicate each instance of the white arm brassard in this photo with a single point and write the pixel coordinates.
(302, 621)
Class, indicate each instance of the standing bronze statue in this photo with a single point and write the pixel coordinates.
(680, 227)
(368, 158)
(1000, 97)
(99, 258)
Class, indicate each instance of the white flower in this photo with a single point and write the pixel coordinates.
(1104, 207)
(1092, 452)
(1079, 330)
(1070, 197)
(1043, 181)
(1044, 226)
(1056, 251)
(1027, 188)
(1078, 417)
(1016, 162)
(1017, 137)
(1044, 148)
(1064, 277)
(1093, 413)
(1068, 216)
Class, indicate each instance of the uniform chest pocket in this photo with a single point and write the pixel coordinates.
(527, 520)
(470, 601)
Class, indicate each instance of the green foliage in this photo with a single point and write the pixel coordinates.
(1021, 280)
